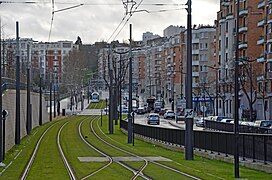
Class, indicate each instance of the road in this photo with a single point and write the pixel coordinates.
(165, 123)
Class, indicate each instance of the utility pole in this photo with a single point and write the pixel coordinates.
(130, 88)
(1, 119)
(189, 151)
(17, 120)
(236, 97)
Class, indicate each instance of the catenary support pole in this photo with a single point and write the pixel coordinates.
(189, 151)
(28, 123)
(17, 120)
(236, 97)
(1, 120)
(130, 89)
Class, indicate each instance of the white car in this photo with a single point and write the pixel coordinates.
(169, 114)
(153, 118)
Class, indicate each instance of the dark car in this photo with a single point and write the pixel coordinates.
(157, 109)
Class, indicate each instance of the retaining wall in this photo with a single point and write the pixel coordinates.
(9, 104)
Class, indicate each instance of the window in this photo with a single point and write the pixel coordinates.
(227, 26)
(227, 42)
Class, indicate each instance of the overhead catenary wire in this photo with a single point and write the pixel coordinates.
(131, 13)
(88, 3)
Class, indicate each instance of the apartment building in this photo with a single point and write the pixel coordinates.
(264, 83)
(9, 56)
(203, 57)
(48, 59)
(171, 59)
(249, 52)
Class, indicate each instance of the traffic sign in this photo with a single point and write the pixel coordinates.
(189, 113)
(4, 113)
(203, 108)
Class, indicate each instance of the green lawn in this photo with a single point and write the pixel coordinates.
(100, 105)
(49, 165)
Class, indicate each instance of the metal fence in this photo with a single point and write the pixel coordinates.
(257, 147)
(229, 127)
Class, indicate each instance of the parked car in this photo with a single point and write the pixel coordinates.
(169, 114)
(227, 120)
(200, 122)
(218, 118)
(263, 123)
(153, 118)
(140, 110)
(162, 111)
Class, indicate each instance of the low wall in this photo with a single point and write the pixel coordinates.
(9, 104)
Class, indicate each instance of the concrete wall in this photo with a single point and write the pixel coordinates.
(9, 103)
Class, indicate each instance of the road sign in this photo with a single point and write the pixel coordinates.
(189, 113)
(203, 108)
(4, 113)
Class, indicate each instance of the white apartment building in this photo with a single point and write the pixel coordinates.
(203, 56)
(171, 31)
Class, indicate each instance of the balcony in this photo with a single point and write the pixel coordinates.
(225, 3)
(260, 40)
(195, 51)
(261, 4)
(195, 63)
(229, 16)
(260, 78)
(195, 74)
(242, 45)
(243, 12)
(222, 20)
(243, 29)
(269, 75)
(269, 38)
(261, 59)
(261, 23)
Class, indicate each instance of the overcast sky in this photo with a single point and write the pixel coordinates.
(97, 22)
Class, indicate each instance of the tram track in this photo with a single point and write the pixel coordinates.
(31, 160)
(135, 155)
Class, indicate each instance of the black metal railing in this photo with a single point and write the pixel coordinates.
(257, 147)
